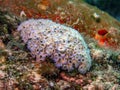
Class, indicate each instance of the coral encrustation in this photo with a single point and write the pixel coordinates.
(64, 45)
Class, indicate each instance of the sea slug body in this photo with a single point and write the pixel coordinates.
(64, 45)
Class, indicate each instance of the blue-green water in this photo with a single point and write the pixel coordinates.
(110, 6)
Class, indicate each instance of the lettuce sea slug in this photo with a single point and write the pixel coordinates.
(64, 45)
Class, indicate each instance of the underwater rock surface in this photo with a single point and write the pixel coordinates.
(64, 45)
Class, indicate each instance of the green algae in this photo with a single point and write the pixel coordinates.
(3, 29)
(48, 70)
(25, 85)
(8, 22)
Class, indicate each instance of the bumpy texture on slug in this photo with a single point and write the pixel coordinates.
(64, 45)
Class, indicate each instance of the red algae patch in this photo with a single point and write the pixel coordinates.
(102, 32)
(100, 36)
(108, 38)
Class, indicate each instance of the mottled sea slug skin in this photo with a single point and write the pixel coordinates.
(64, 45)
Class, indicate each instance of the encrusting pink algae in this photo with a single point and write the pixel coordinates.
(64, 45)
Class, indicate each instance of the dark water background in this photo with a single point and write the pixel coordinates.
(110, 6)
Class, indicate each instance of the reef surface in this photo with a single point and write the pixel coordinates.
(20, 71)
